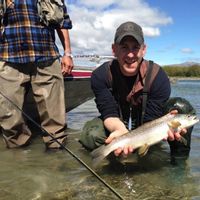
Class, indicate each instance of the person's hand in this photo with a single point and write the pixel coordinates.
(125, 150)
(66, 65)
(175, 135)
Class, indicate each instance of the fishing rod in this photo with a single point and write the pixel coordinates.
(64, 147)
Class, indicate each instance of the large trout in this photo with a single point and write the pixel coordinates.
(146, 135)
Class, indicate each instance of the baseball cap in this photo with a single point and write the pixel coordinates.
(129, 29)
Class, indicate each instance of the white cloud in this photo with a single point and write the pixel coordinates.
(187, 50)
(96, 4)
(94, 22)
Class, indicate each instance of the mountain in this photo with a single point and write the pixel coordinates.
(185, 64)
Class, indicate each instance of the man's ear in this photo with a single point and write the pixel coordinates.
(114, 49)
(144, 50)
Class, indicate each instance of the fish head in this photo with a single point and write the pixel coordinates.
(184, 121)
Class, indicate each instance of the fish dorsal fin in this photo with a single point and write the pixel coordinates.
(142, 151)
(174, 124)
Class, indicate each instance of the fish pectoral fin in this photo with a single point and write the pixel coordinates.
(174, 124)
(142, 151)
(183, 140)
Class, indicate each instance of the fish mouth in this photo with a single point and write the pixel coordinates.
(197, 119)
(194, 118)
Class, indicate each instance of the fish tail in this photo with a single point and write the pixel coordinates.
(96, 161)
(99, 154)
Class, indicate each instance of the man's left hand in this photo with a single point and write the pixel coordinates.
(175, 135)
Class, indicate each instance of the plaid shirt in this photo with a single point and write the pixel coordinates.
(23, 38)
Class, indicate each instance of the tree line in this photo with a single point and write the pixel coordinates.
(181, 71)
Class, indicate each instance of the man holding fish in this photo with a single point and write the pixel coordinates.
(129, 91)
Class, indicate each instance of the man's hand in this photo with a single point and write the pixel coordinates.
(175, 135)
(126, 150)
(66, 65)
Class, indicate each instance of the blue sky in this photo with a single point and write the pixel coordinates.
(171, 27)
(179, 41)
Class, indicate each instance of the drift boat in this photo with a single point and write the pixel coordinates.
(77, 91)
(77, 88)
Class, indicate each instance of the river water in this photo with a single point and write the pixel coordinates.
(32, 173)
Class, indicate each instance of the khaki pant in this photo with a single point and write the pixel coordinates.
(47, 85)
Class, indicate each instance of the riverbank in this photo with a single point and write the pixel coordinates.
(174, 79)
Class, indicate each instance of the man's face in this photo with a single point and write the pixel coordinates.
(129, 55)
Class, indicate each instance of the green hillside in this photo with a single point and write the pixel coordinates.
(182, 71)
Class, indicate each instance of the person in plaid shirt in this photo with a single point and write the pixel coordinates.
(30, 57)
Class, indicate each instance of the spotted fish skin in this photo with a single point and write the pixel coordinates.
(146, 135)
